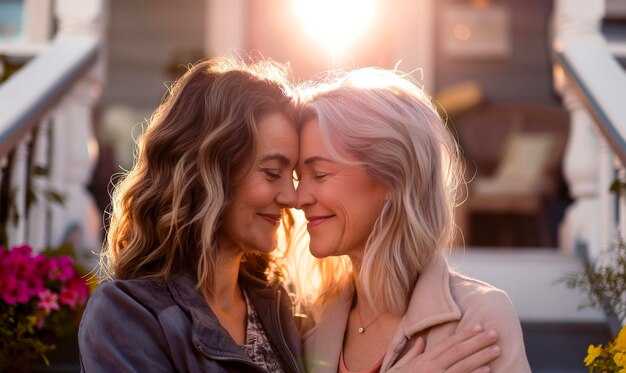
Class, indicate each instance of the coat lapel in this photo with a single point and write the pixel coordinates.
(431, 304)
(322, 344)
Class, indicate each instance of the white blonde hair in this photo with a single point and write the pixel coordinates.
(390, 125)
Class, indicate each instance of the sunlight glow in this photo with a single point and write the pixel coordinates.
(462, 31)
(334, 23)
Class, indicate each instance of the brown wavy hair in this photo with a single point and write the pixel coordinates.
(167, 210)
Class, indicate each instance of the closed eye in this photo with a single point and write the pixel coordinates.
(271, 174)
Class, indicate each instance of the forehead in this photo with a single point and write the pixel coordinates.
(313, 144)
(310, 132)
(276, 133)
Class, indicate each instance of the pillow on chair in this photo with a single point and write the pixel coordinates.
(526, 160)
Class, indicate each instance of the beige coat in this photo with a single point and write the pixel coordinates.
(442, 303)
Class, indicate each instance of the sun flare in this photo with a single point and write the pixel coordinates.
(334, 23)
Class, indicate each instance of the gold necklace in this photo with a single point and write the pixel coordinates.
(363, 327)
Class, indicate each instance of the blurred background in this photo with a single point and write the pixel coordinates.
(488, 63)
(532, 90)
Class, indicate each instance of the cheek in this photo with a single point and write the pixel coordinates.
(360, 212)
(254, 194)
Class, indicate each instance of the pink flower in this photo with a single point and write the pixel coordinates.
(14, 291)
(17, 264)
(79, 287)
(61, 268)
(69, 297)
(48, 301)
(23, 251)
(41, 321)
(34, 285)
(5, 266)
(41, 267)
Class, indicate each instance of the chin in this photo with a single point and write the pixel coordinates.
(266, 249)
(319, 253)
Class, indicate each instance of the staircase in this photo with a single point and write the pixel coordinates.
(592, 83)
(47, 147)
(556, 331)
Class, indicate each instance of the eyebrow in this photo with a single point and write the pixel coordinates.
(317, 159)
(276, 157)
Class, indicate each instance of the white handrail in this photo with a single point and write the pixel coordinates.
(600, 83)
(46, 136)
(39, 85)
(592, 85)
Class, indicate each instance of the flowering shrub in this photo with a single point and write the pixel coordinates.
(604, 282)
(611, 358)
(40, 297)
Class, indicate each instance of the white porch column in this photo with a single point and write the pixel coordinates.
(579, 20)
(225, 27)
(74, 148)
(415, 46)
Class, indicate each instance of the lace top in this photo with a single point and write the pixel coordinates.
(257, 346)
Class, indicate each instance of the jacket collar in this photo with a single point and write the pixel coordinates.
(431, 304)
(325, 339)
(207, 333)
(212, 339)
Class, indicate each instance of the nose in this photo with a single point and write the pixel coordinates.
(287, 196)
(305, 197)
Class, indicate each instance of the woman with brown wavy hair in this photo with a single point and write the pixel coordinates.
(193, 228)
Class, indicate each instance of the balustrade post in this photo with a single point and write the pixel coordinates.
(74, 147)
(621, 207)
(578, 20)
(16, 222)
(38, 219)
(606, 199)
(225, 27)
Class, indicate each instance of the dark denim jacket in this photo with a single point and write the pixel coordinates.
(166, 326)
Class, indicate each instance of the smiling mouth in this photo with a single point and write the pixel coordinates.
(274, 219)
(314, 221)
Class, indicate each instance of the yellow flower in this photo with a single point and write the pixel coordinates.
(620, 341)
(32, 320)
(592, 353)
(619, 359)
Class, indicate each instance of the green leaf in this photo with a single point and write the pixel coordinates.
(40, 170)
(65, 249)
(55, 196)
(45, 359)
(31, 197)
(15, 217)
(615, 187)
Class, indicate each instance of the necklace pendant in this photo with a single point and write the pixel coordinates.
(361, 330)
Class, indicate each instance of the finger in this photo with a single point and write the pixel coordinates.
(455, 339)
(485, 369)
(467, 348)
(416, 350)
(476, 361)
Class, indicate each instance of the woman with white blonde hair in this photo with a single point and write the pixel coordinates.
(378, 181)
